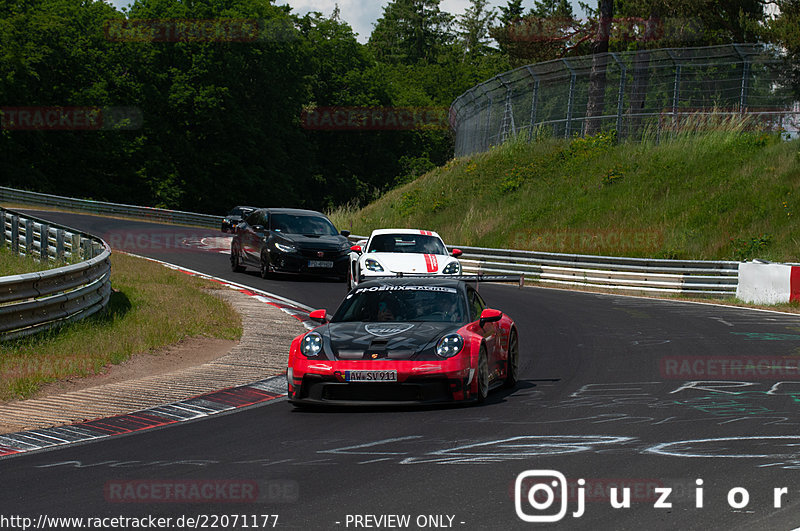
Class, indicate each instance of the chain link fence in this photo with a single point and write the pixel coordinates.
(633, 93)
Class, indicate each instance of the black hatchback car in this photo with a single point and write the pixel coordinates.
(234, 217)
(288, 240)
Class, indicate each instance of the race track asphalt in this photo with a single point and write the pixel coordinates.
(615, 390)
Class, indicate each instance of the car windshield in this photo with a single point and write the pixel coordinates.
(406, 243)
(403, 303)
(302, 224)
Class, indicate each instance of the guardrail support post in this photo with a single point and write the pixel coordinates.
(60, 245)
(76, 247)
(15, 234)
(44, 245)
(86, 247)
(28, 237)
(2, 228)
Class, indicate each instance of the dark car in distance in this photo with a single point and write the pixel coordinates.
(289, 240)
(234, 217)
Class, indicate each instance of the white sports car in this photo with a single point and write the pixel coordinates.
(409, 251)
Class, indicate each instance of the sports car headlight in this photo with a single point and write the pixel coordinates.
(311, 345)
(449, 345)
(285, 248)
(373, 265)
(453, 268)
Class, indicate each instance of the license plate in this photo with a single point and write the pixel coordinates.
(370, 376)
(320, 263)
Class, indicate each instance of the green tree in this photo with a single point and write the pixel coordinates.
(411, 31)
(512, 11)
(473, 27)
(783, 30)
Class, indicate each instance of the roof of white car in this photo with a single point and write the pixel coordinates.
(404, 231)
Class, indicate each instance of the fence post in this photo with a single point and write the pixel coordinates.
(570, 101)
(44, 242)
(2, 228)
(15, 234)
(28, 237)
(676, 89)
(534, 101)
(745, 77)
(622, 74)
(508, 113)
(487, 143)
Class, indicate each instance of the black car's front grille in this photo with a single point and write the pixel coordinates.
(315, 255)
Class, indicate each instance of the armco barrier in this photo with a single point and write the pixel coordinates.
(684, 277)
(100, 207)
(33, 302)
(644, 275)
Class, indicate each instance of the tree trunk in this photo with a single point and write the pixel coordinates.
(641, 75)
(597, 77)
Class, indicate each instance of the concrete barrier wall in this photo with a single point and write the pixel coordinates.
(763, 283)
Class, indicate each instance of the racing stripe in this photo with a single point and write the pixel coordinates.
(432, 263)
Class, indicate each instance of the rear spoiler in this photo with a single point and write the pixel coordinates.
(516, 279)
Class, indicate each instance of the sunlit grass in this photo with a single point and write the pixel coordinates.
(707, 190)
(151, 307)
(14, 264)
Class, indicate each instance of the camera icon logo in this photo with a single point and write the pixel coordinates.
(537, 489)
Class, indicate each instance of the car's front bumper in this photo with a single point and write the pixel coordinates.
(320, 382)
(306, 263)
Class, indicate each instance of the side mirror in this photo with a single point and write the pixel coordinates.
(356, 249)
(456, 253)
(320, 316)
(345, 233)
(490, 316)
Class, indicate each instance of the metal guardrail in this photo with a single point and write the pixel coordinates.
(684, 277)
(699, 278)
(100, 207)
(33, 302)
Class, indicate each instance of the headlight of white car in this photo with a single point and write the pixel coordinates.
(453, 268)
(373, 265)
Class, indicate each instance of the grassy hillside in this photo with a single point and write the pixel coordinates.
(712, 195)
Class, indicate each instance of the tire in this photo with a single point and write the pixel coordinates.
(236, 263)
(512, 362)
(482, 375)
(350, 282)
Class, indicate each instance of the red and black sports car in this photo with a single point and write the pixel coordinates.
(405, 341)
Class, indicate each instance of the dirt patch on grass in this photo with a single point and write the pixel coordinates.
(189, 352)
